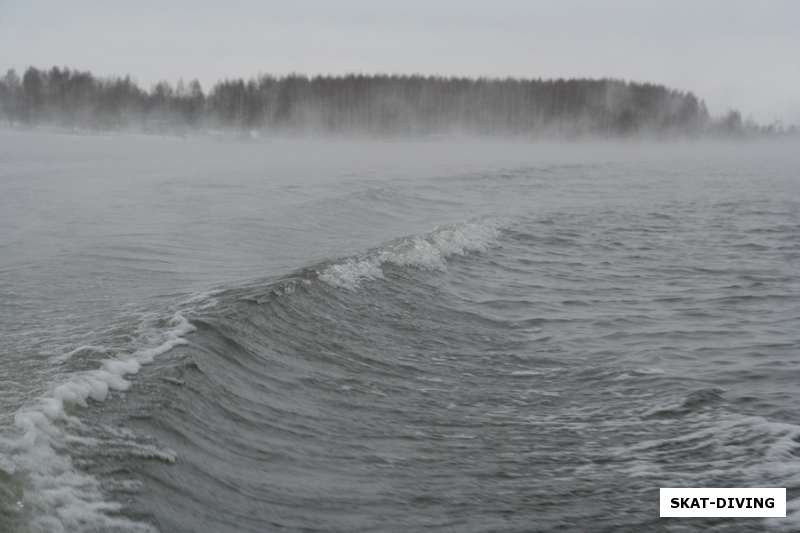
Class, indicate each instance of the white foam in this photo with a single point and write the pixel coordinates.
(60, 497)
(526, 373)
(351, 273)
(148, 451)
(428, 252)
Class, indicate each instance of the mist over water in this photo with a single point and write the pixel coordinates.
(461, 335)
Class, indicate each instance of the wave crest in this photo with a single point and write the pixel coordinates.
(427, 252)
(61, 498)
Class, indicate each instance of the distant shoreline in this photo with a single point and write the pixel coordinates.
(368, 105)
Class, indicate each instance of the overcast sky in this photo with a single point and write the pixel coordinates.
(732, 53)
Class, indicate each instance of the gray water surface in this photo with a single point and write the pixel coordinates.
(207, 335)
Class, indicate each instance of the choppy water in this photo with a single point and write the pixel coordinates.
(337, 336)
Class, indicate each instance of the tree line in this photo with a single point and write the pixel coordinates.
(372, 104)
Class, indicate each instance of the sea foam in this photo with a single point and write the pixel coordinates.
(60, 498)
(428, 252)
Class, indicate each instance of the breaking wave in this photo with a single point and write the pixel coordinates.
(427, 252)
(462, 373)
(60, 497)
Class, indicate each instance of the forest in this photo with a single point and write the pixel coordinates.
(362, 104)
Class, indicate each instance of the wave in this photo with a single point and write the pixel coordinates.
(59, 496)
(748, 451)
(62, 497)
(433, 372)
(429, 251)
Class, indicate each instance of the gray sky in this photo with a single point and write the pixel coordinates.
(732, 53)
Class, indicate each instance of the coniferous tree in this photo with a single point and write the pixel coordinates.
(372, 104)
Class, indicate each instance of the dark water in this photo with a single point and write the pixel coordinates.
(340, 336)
